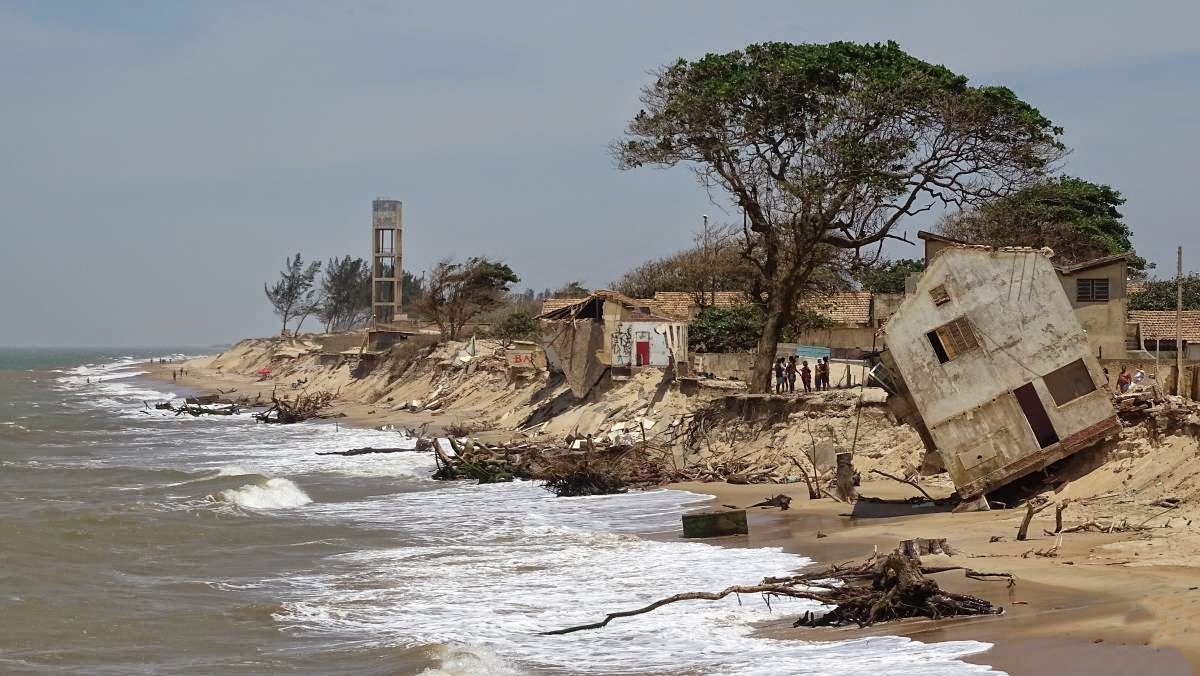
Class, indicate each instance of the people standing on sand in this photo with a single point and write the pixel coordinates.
(791, 374)
(1124, 379)
(172, 375)
(820, 377)
(779, 382)
(806, 377)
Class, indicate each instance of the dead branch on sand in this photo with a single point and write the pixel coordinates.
(880, 589)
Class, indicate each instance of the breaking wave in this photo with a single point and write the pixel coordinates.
(271, 494)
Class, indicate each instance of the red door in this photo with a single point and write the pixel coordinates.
(643, 353)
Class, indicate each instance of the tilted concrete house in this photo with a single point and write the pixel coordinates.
(989, 362)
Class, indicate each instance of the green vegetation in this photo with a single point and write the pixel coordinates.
(888, 276)
(1078, 219)
(1160, 294)
(825, 148)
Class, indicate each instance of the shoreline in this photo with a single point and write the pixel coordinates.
(1102, 622)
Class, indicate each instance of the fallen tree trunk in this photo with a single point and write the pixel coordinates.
(368, 449)
(878, 590)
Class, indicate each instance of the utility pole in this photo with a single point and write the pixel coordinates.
(1179, 325)
(708, 261)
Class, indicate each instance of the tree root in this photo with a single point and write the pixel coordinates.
(877, 590)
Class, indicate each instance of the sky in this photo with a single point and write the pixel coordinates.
(160, 159)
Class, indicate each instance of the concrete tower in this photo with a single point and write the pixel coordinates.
(387, 277)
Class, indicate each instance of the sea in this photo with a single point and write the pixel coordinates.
(134, 541)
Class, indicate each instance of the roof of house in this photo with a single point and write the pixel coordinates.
(926, 235)
(569, 308)
(1094, 263)
(1158, 324)
(680, 303)
(841, 307)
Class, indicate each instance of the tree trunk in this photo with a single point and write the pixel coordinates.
(764, 357)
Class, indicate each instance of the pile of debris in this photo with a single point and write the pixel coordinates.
(304, 406)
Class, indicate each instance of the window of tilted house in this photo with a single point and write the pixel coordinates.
(1069, 383)
(939, 294)
(953, 339)
(1091, 290)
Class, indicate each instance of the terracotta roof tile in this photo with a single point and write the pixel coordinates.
(844, 307)
(1161, 324)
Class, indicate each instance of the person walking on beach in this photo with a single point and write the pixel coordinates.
(791, 373)
(806, 377)
(172, 375)
(779, 382)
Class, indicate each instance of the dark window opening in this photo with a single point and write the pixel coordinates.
(1091, 290)
(953, 339)
(938, 348)
(1069, 383)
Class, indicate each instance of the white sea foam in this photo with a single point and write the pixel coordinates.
(272, 494)
(490, 567)
(459, 660)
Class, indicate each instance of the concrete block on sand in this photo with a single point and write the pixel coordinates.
(715, 524)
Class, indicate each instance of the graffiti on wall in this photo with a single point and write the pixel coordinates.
(622, 345)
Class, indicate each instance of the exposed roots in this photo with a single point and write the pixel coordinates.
(878, 590)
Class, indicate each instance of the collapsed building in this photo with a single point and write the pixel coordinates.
(987, 360)
(608, 332)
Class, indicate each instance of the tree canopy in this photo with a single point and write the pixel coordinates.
(887, 276)
(826, 147)
(1160, 294)
(345, 294)
(293, 295)
(1078, 219)
(457, 293)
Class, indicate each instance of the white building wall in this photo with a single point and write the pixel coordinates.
(662, 336)
(1026, 328)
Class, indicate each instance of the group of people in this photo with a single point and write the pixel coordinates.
(786, 370)
(1126, 380)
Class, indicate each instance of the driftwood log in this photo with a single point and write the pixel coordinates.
(880, 589)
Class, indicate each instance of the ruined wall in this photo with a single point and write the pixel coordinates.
(1024, 327)
(849, 337)
(626, 334)
(728, 365)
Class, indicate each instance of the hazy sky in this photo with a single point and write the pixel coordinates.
(161, 158)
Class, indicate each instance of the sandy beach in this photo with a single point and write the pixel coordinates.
(1106, 603)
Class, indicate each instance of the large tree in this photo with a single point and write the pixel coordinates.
(457, 293)
(1078, 219)
(829, 147)
(293, 295)
(345, 294)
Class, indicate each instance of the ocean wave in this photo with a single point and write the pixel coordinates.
(524, 562)
(272, 494)
(465, 660)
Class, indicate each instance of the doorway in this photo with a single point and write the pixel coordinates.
(643, 348)
(1035, 414)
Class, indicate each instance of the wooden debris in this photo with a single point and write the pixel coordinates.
(303, 407)
(880, 589)
(781, 501)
